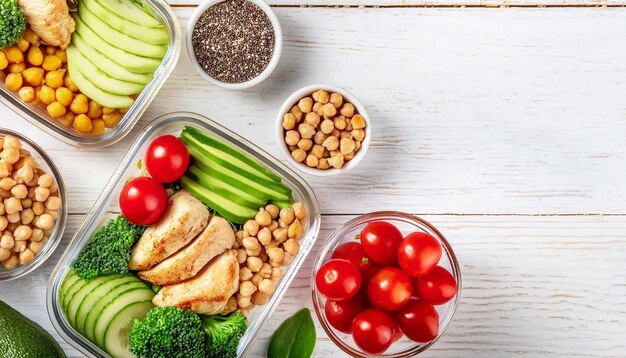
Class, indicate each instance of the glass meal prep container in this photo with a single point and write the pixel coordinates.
(39, 117)
(106, 207)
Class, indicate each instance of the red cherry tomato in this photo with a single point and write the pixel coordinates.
(341, 314)
(418, 253)
(338, 280)
(419, 321)
(399, 333)
(143, 201)
(353, 252)
(437, 287)
(389, 289)
(373, 331)
(167, 159)
(380, 242)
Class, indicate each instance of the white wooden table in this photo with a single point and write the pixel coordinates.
(501, 122)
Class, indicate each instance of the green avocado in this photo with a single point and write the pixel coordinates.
(130, 11)
(22, 338)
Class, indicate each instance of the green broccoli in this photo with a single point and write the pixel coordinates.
(109, 251)
(12, 23)
(223, 334)
(168, 332)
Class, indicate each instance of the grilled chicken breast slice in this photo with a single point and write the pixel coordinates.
(184, 218)
(207, 292)
(215, 239)
(50, 19)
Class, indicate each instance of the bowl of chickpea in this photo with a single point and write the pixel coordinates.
(32, 206)
(323, 130)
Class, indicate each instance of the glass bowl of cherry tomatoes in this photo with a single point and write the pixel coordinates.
(385, 284)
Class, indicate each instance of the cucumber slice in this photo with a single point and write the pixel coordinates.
(230, 155)
(99, 292)
(128, 10)
(70, 294)
(92, 91)
(98, 307)
(283, 204)
(118, 39)
(225, 207)
(79, 296)
(112, 309)
(69, 280)
(259, 187)
(117, 333)
(226, 189)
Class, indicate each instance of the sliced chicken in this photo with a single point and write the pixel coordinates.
(215, 239)
(207, 292)
(184, 218)
(50, 19)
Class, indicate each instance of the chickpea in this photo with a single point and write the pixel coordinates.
(107, 110)
(245, 311)
(282, 224)
(312, 161)
(3, 222)
(298, 155)
(305, 104)
(31, 184)
(295, 230)
(41, 193)
(289, 121)
(25, 174)
(242, 256)
(37, 235)
(292, 137)
(251, 227)
(10, 155)
(79, 104)
(7, 183)
(305, 144)
(287, 215)
(307, 131)
(38, 207)
(280, 235)
(347, 110)
(19, 191)
(287, 259)
(254, 264)
(70, 84)
(264, 236)
(331, 143)
(358, 134)
(263, 217)
(14, 55)
(2, 209)
(357, 146)
(292, 247)
(98, 126)
(329, 110)
(54, 79)
(318, 151)
(26, 256)
(259, 298)
(4, 62)
(12, 205)
(56, 109)
(7, 241)
(340, 122)
(4, 253)
(319, 137)
(13, 225)
(51, 63)
(251, 243)
(312, 118)
(272, 210)
(46, 94)
(27, 94)
(22, 232)
(95, 110)
(17, 67)
(277, 273)
(245, 274)
(344, 134)
(27, 216)
(358, 122)
(33, 76)
(346, 146)
(19, 246)
(44, 221)
(243, 301)
(5, 194)
(336, 161)
(53, 203)
(83, 124)
(318, 109)
(266, 286)
(276, 254)
(35, 56)
(265, 271)
(45, 181)
(273, 225)
(276, 264)
(327, 126)
(299, 210)
(321, 96)
(35, 247)
(54, 214)
(64, 96)
(11, 262)
(247, 288)
(13, 81)
(295, 110)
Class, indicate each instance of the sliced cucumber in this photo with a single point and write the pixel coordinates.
(116, 306)
(227, 189)
(81, 294)
(92, 91)
(261, 188)
(283, 204)
(69, 280)
(116, 335)
(70, 293)
(101, 291)
(230, 155)
(225, 207)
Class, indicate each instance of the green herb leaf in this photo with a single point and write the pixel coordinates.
(294, 338)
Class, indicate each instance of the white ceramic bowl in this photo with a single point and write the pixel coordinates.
(278, 45)
(307, 91)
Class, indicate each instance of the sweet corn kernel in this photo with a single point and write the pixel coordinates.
(79, 104)
(4, 62)
(98, 127)
(95, 110)
(23, 44)
(13, 81)
(33, 76)
(46, 95)
(70, 84)
(111, 120)
(64, 96)
(27, 94)
(14, 54)
(35, 56)
(67, 120)
(82, 123)
(54, 79)
(56, 109)
(51, 63)
(17, 67)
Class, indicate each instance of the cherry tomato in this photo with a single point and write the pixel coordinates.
(373, 331)
(338, 280)
(419, 321)
(418, 253)
(167, 159)
(143, 201)
(399, 333)
(437, 287)
(380, 242)
(353, 252)
(389, 289)
(341, 314)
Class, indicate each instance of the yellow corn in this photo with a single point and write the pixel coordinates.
(13, 81)
(46, 95)
(56, 109)
(51, 63)
(35, 56)
(64, 96)
(33, 76)
(82, 123)
(98, 127)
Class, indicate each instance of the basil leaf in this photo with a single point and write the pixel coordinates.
(294, 338)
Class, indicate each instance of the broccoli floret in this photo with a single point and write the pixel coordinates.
(168, 332)
(12, 23)
(109, 251)
(223, 334)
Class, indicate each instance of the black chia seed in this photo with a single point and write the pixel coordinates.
(233, 41)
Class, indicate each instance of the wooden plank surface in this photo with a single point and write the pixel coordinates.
(427, 3)
(497, 117)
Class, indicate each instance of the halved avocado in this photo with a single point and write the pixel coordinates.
(90, 90)
(227, 189)
(130, 11)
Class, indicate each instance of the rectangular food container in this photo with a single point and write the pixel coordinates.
(41, 119)
(107, 206)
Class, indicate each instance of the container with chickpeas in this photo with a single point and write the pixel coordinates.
(31, 206)
(323, 130)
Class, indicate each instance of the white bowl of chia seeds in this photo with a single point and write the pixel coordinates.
(234, 44)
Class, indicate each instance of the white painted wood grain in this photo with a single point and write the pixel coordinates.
(533, 286)
(427, 3)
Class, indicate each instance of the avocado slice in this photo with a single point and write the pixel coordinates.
(127, 60)
(21, 337)
(153, 35)
(107, 66)
(130, 11)
(90, 90)
(227, 189)
(99, 78)
(119, 39)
